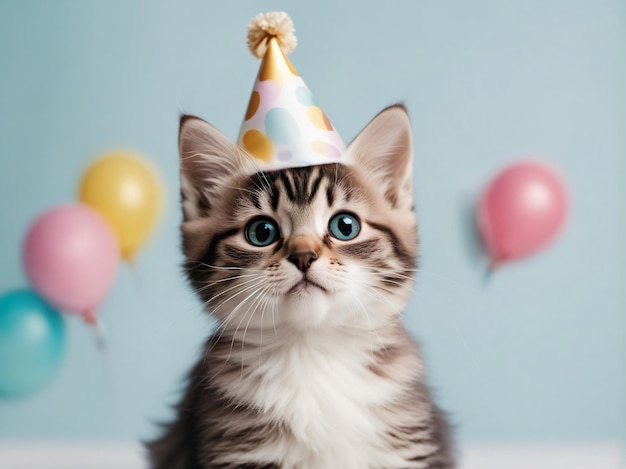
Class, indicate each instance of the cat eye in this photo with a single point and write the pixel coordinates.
(344, 226)
(261, 231)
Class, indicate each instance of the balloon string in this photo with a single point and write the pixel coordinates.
(488, 275)
(99, 336)
(136, 276)
(491, 268)
(103, 352)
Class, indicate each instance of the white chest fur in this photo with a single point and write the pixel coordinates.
(332, 403)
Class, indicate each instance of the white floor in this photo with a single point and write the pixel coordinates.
(574, 456)
(114, 456)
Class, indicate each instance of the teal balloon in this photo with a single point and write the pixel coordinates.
(32, 343)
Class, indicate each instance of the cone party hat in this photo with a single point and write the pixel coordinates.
(283, 126)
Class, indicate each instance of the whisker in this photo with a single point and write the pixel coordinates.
(254, 307)
(371, 326)
(224, 267)
(240, 284)
(226, 323)
(223, 327)
(232, 342)
(443, 277)
(274, 318)
(262, 326)
(394, 307)
(227, 279)
(421, 271)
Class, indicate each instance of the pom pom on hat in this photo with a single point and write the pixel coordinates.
(265, 26)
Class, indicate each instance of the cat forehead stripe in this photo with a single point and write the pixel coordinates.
(299, 185)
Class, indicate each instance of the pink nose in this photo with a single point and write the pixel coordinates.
(302, 259)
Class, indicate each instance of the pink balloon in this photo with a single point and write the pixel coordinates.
(521, 211)
(71, 255)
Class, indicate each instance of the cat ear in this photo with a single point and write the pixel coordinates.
(384, 151)
(208, 161)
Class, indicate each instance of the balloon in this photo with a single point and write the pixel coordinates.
(32, 343)
(126, 191)
(521, 211)
(70, 255)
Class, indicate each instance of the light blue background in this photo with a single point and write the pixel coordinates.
(535, 355)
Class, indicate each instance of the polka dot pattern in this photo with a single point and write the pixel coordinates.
(255, 100)
(318, 118)
(284, 155)
(304, 96)
(258, 145)
(280, 126)
(270, 93)
(325, 149)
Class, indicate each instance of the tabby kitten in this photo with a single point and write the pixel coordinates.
(307, 269)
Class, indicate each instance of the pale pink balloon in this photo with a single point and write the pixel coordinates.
(70, 256)
(521, 211)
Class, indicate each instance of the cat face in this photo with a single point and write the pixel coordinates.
(328, 245)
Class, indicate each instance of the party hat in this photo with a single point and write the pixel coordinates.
(283, 126)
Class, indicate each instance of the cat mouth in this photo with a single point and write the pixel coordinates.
(304, 285)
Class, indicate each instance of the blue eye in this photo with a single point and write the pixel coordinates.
(344, 226)
(261, 232)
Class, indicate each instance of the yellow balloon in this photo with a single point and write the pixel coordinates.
(126, 191)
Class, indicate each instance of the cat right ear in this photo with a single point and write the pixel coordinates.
(384, 151)
(208, 162)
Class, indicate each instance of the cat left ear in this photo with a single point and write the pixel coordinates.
(208, 162)
(384, 151)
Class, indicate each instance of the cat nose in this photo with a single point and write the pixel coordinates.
(302, 259)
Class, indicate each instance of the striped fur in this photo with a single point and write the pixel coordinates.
(310, 367)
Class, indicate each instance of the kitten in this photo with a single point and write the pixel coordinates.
(307, 269)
